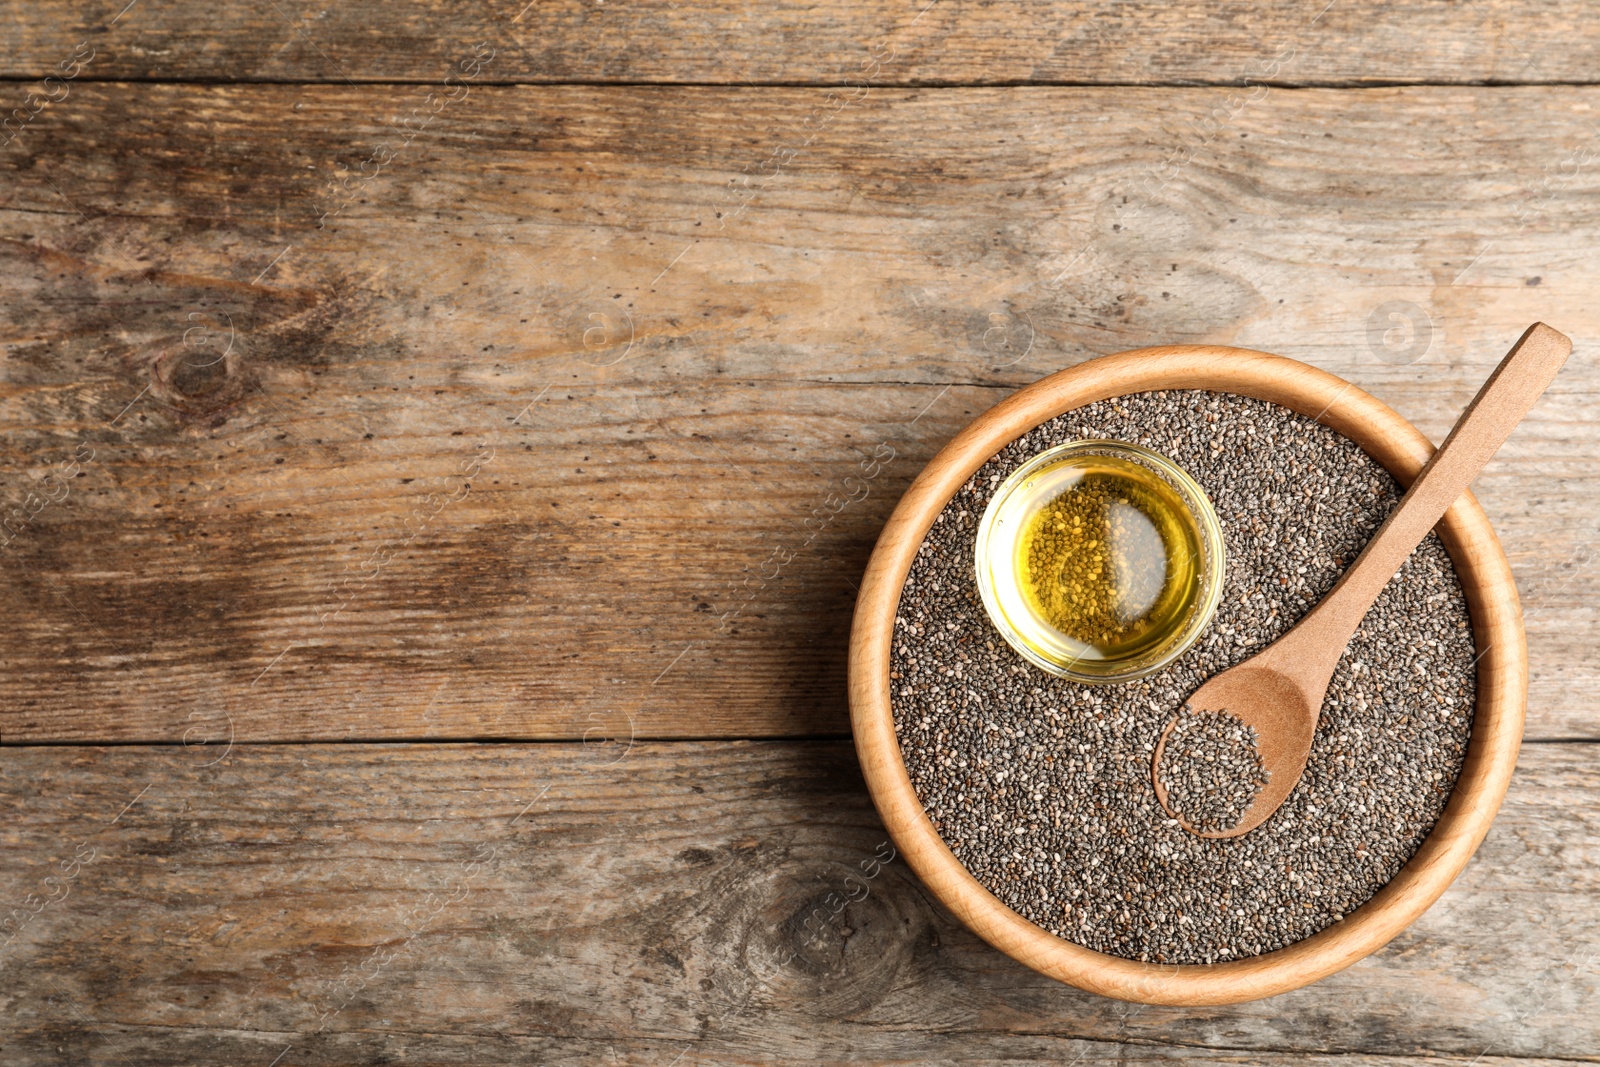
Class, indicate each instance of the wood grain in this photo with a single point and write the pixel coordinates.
(672, 899)
(792, 41)
(734, 302)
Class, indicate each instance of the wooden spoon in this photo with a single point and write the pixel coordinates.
(1279, 690)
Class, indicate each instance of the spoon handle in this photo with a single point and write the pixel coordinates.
(1524, 374)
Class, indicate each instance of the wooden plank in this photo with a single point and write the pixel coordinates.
(447, 903)
(667, 335)
(791, 41)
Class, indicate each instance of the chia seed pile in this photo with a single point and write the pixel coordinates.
(1211, 769)
(1041, 786)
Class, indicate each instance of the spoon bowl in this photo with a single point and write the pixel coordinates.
(1272, 704)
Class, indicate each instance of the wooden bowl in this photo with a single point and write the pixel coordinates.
(1496, 728)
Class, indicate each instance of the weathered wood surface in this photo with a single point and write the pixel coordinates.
(570, 904)
(665, 386)
(794, 41)
(447, 410)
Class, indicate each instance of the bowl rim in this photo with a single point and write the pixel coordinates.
(1486, 580)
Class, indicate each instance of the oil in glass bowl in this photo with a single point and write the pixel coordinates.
(1100, 561)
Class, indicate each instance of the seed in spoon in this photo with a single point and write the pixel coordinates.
(1211, 769)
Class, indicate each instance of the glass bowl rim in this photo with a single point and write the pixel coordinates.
(1212, 572)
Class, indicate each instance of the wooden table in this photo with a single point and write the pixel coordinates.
(428, 557)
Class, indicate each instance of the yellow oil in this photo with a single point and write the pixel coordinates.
(1113, 560)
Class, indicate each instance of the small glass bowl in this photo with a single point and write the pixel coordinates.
(1032, 487)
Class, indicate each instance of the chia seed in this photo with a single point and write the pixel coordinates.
(1211, 769)
(1041, 786)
